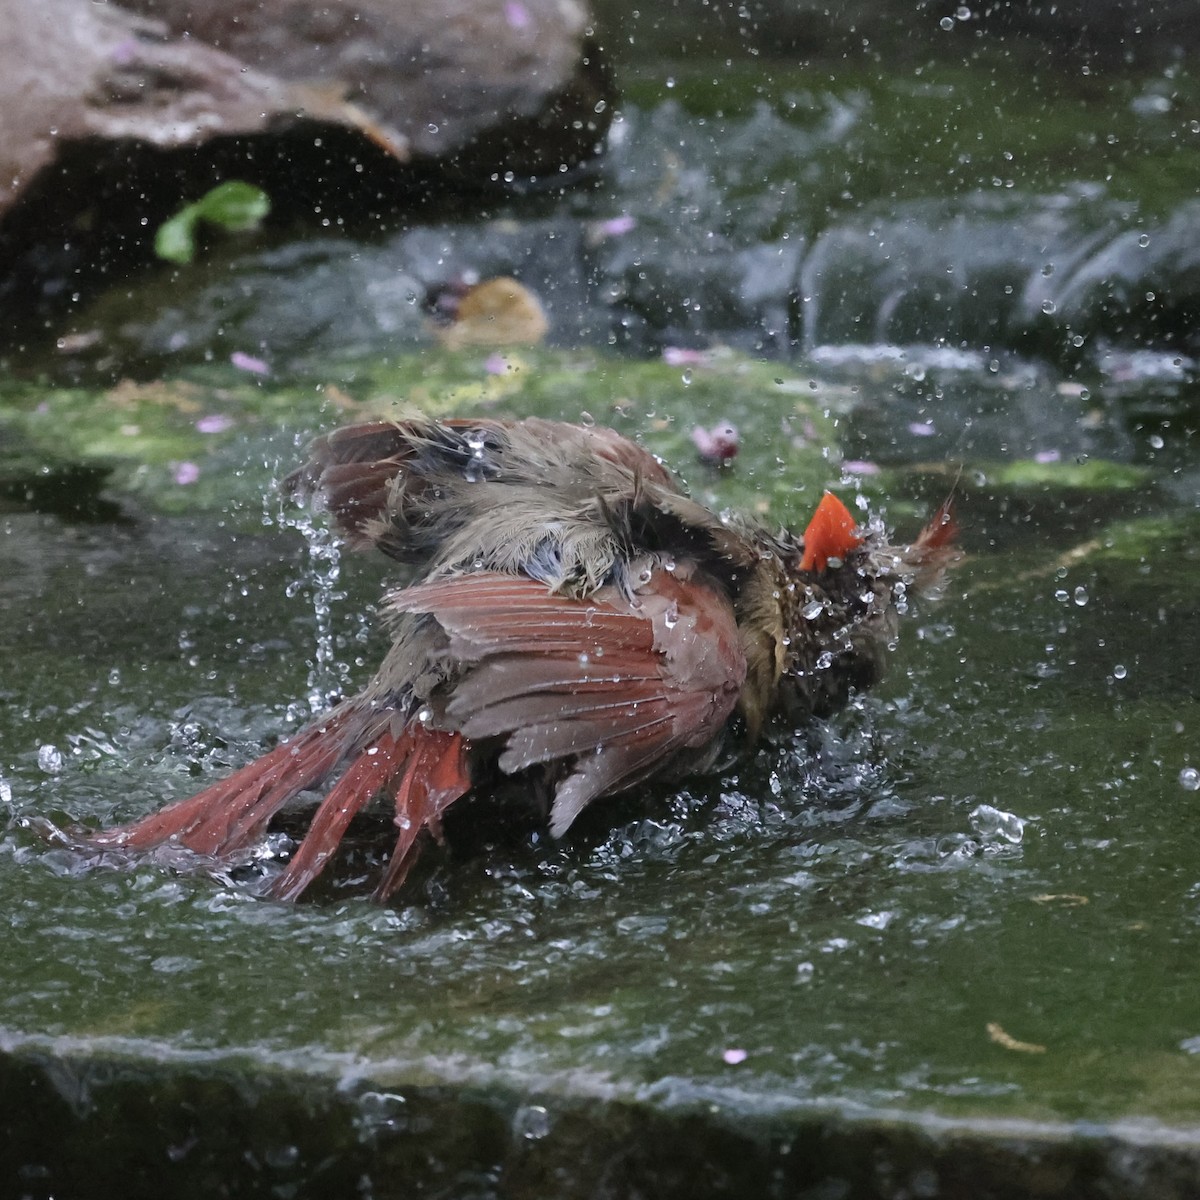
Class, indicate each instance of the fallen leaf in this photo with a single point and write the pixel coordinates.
(1009, 1042)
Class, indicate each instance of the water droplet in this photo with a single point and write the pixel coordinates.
(993, 823)
(1189, 779)
(1119, 671)
(687, 377)
(812, 610)
(584, 660)
(1144, 240)
(1048, 307)
(1081, 596)
(531, 1122)
(946, 23)
(1156, 442)
(50, 759)
(586, 419)
(424, 715)
(875, 920)
(824, 661)
(805, 972)
(671, 616)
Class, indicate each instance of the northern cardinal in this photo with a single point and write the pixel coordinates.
(580, 625)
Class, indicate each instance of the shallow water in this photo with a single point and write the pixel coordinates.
(1001, 839)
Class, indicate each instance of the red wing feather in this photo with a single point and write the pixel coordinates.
(613, 685)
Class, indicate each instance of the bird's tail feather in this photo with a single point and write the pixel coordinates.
(424, 769)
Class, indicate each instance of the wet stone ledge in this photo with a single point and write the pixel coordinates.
(149, 1122)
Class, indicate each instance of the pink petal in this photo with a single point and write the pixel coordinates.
(716, 445)
(214, 423)
(516, 14)
(857, 466)
(185, 473)
(247, 362)
(617, 226)
(680, 356)
(734, 1055)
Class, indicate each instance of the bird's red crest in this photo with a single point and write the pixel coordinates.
(830, 534)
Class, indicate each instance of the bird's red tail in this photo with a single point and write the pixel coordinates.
(228, 816)
(935, 549)
(425, 769)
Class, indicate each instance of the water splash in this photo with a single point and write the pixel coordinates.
(328, 676)
(994, 824)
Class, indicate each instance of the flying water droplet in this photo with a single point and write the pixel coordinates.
(1189, 779)
(531, 1123)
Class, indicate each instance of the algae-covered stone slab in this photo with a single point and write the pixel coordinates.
(142, 1120)
(216, 441)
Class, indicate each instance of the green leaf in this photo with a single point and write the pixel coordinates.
(176, 239)
(233, 205)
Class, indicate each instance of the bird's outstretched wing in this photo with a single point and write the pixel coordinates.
(614, 687)
(407, 487)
